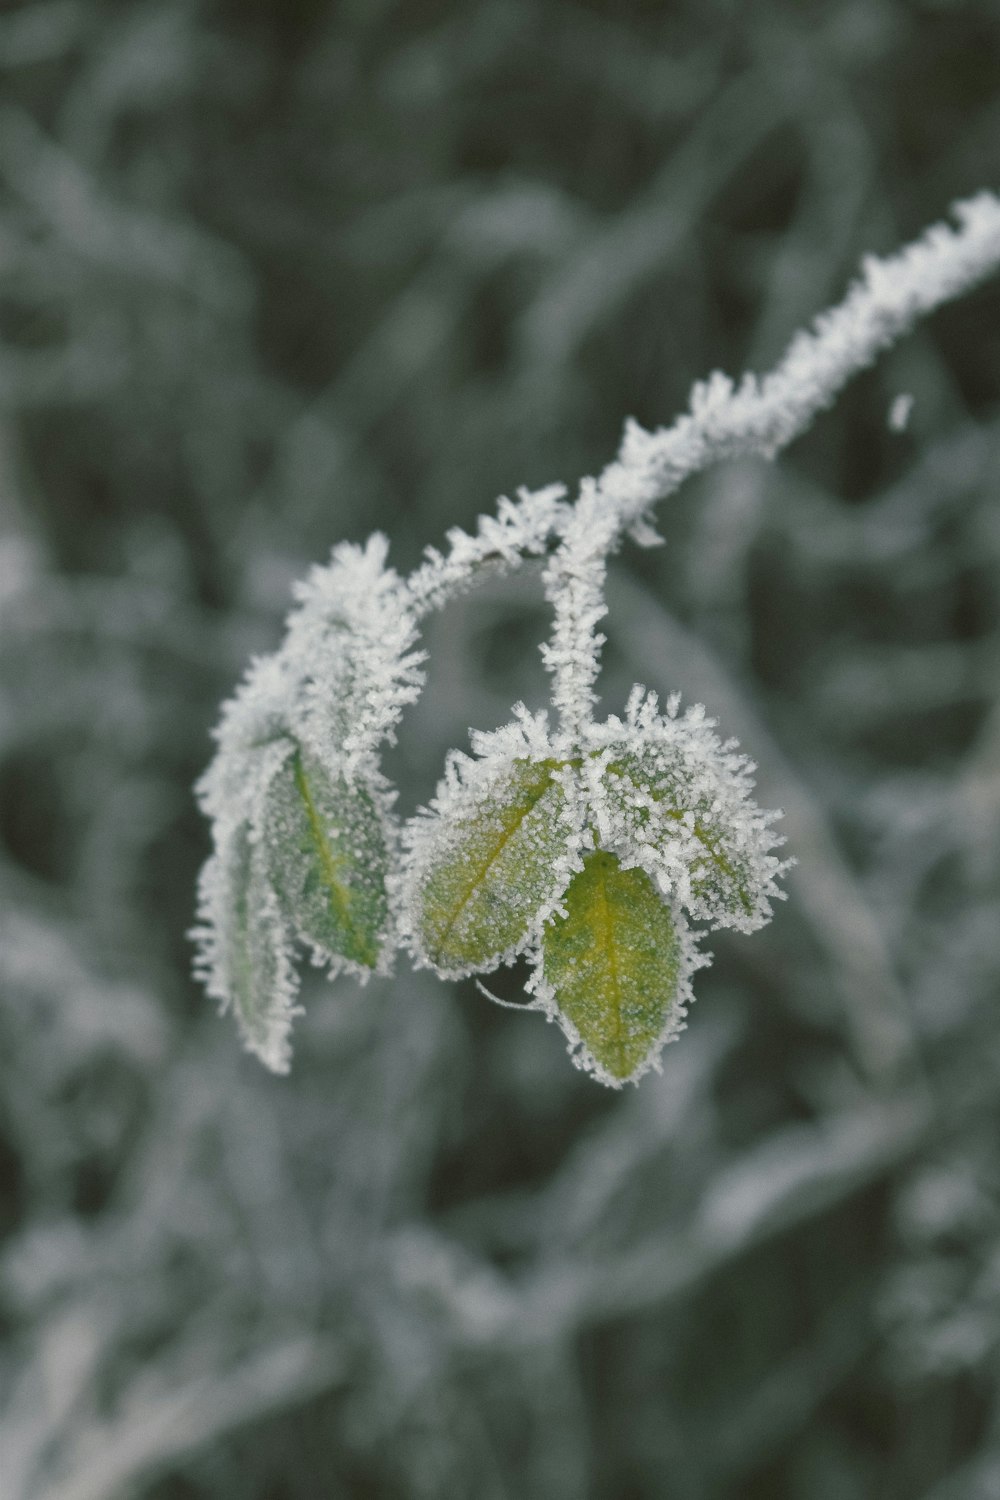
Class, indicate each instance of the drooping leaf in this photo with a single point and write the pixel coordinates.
(489, 870)
(327, 859)
(247, 958)
(613, 964)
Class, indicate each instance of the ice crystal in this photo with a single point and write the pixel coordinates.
(327, 859)
(501, 543)
(245, 953)
(900, 411)
(574, 584)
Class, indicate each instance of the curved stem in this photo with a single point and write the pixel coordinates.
(760, 415)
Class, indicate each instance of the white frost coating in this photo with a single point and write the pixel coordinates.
(337, 686)
(574, 585)
(237, 907)
(350, 653)
(666, 794)
(340, 680)
(764, 414)
(689, 960)
(660, 792)
(899, 412)
(760, 415)
(469, 785)
(502, 542)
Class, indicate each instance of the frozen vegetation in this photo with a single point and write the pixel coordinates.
(277, 279)
(586, 848)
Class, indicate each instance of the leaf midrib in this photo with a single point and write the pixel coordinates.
(614, 975)
(493, 855)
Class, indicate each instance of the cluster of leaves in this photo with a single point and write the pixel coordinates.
(583, 852)
(566, 848)
(588, 865)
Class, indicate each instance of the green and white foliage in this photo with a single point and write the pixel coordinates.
(303, 820)
(591, 849)
(668, 796)
(486, 865)
(614, 970)
(591, 859)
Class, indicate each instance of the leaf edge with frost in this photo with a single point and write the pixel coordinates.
(468, 808)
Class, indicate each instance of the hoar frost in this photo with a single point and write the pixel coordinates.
(304, 826)
(591, 865)
(587, 848)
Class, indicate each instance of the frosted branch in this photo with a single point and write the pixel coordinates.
(763, 415)
(519, 530)
(760, 415)
(574, 585)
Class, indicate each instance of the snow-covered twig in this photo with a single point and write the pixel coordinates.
(589, 848)
(759, 415)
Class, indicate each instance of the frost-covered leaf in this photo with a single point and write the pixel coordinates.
(297, 765)
(350, 655)
(327, 857)
(245, 949)
(614, 966)
(491, 871)
(486, 865)
(669, 796)
(655, 793)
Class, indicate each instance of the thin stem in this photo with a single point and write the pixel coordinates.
(574, 585)
(502, 543)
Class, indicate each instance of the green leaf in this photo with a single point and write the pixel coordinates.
(327, 859)
(491, 872)
(719, 877)
(614, 963)
(256, 975)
